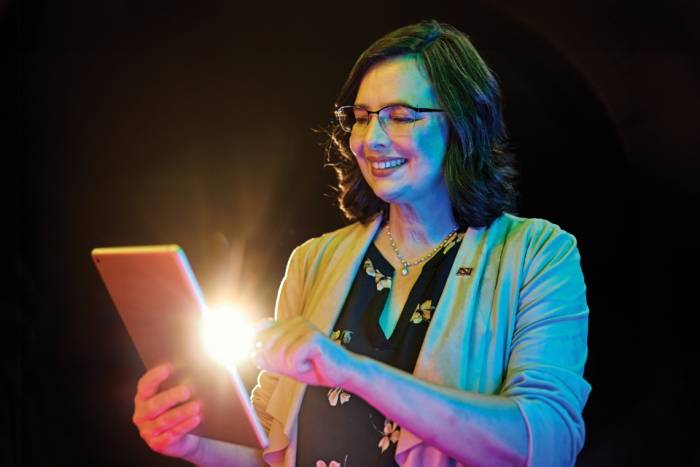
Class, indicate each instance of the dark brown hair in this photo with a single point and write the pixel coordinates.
(479, 169)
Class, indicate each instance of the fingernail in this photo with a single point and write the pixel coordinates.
(186, 393)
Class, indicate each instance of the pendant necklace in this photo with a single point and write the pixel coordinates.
(406, 265)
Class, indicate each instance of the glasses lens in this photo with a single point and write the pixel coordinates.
(397, 120)
(352, 118)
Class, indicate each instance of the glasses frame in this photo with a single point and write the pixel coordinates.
(370, 112)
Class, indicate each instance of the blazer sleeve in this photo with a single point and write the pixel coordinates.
(289, 304)
(549, 347)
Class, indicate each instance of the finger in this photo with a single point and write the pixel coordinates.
(290, 350)
(260, 361)
(165, 442)
(184, 427)
(279, 332)
(156, 405)
(271, 365)
(268, 353)
(286, 353)
(174, 417)
(149, 383)
(282, 348)
(263, 362)
(268, 331)
(299, 355)
(263, 325)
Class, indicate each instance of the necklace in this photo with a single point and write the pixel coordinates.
(406, 265)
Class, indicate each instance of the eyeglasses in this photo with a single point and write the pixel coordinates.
(396, 119)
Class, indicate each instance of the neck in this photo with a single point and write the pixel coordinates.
(419, 229)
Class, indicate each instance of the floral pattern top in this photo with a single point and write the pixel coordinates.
(337, 428)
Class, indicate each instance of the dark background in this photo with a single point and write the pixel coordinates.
(144, 122)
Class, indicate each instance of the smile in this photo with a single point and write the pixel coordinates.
(388, 164)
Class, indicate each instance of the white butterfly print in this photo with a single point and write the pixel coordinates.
(337, 393)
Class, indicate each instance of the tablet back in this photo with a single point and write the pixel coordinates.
(160, 302)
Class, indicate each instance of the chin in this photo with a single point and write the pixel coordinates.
(388, 191)
(388, 196)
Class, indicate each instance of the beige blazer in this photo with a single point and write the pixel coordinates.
(516, 327)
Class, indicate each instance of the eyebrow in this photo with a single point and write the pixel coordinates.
(388, 104)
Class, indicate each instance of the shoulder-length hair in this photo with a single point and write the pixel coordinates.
(479, 169)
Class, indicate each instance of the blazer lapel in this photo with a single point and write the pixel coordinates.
(451, 343)
(335, 275)
(328, 283)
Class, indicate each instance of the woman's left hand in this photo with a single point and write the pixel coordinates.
(296, 348)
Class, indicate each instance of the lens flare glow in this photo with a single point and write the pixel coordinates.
(227, 335)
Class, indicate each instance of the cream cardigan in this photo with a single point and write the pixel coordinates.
(516, 327)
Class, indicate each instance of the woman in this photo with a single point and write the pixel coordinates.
(436, 329)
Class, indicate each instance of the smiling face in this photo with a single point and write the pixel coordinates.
(405, 169)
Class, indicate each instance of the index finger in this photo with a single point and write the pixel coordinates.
(264, 325)
(149, 383)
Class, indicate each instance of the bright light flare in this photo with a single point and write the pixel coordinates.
(227, 335)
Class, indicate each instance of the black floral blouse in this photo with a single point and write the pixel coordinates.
(339, 429)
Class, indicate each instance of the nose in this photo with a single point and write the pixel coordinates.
(374, 135)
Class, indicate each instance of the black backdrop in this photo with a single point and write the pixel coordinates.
(142, 122)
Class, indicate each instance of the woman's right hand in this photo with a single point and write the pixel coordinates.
(163, 427)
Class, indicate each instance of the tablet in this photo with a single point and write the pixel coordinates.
(162, 306)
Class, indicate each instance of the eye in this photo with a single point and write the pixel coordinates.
(360, 116)
(401, 115)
